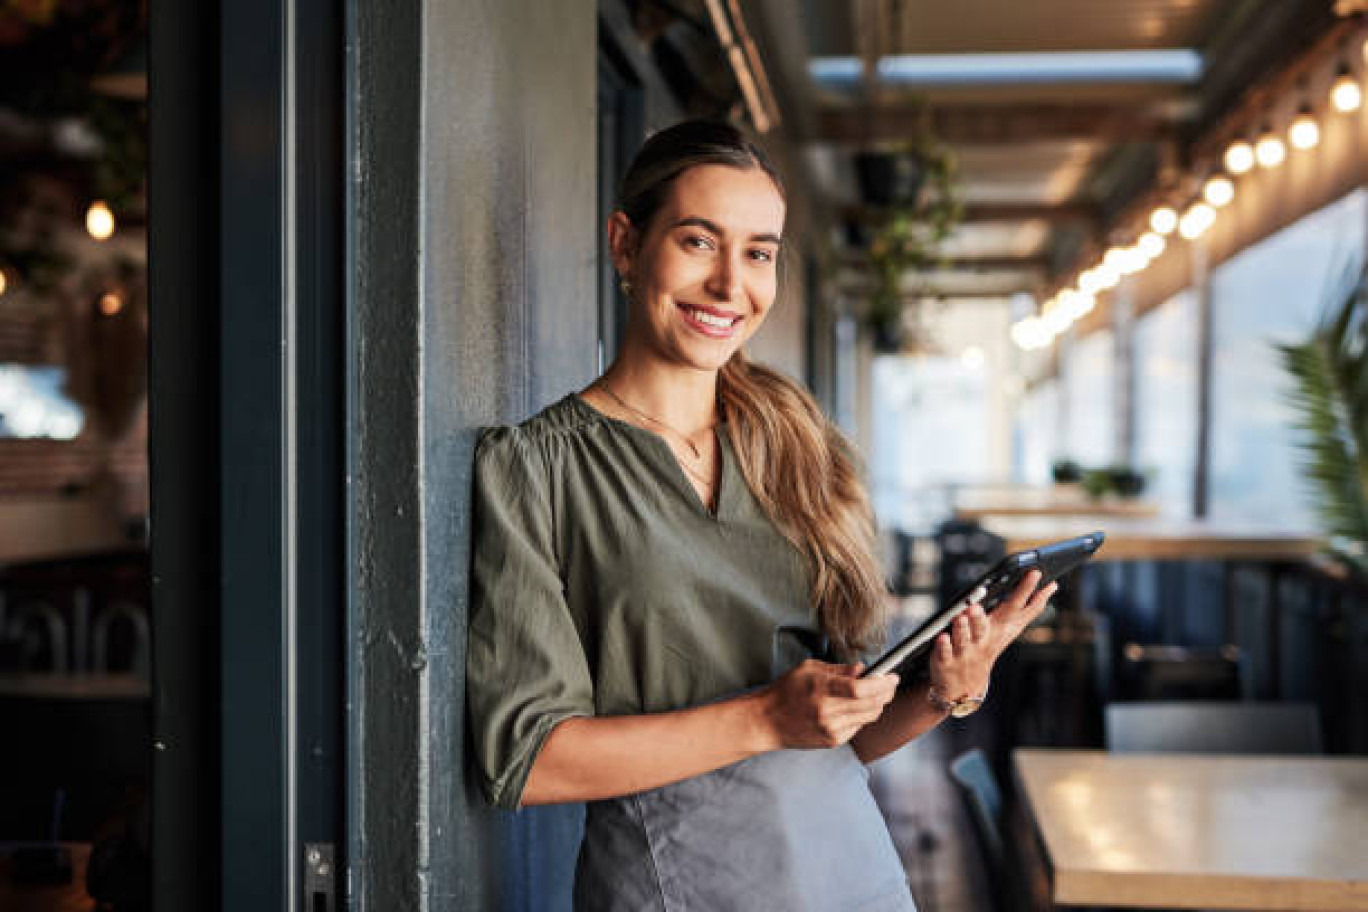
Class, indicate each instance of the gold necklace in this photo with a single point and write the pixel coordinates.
(680, 434)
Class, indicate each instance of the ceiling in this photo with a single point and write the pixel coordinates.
(1043, 163)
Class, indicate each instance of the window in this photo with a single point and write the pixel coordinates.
(1166, 377)
(1272, 292)
(1089, 384)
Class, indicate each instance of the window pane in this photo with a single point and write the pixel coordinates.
(1166, 402)
(1091, 406)
(1272, 292)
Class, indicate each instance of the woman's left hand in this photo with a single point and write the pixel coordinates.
(963, 658)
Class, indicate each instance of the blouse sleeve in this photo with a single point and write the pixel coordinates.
(525, 665)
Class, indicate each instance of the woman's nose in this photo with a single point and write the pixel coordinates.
(725, 281)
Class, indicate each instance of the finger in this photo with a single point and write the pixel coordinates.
(978, 623)
(943, 654)
(960, 635)
(1024, 588)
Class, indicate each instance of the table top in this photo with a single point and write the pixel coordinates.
(1157, 538)
(1195, 831)
(1040, 501)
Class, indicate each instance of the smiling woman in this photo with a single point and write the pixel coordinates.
(674, 577)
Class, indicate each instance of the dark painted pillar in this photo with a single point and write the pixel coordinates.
(475, 237)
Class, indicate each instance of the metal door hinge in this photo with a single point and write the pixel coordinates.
(319, 876)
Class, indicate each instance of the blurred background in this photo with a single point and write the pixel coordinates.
(1056, 267)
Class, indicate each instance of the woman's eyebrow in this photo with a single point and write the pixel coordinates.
(709, 225)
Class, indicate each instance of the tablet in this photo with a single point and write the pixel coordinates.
(1053, 560)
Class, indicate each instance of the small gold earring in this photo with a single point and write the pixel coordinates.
(626, 287)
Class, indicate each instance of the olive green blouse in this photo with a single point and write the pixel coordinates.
(602, 585)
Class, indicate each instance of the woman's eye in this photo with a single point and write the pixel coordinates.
(762, 256)
(698, 242)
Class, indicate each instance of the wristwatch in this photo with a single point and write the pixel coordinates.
(959, 708)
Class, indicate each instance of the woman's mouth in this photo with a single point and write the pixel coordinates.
(717, 326)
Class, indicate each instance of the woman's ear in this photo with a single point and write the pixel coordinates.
(621, 242)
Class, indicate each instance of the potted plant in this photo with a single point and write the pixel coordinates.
(913, 184)
(1330, 395)
(1066, 471)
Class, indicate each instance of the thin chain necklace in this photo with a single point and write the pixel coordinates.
(680, 434)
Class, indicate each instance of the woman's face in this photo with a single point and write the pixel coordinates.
(704, 276)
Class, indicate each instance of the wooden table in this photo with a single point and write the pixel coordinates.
(1157, 539)
(1199, 831)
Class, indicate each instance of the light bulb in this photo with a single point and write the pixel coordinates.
(99, 221)
(1116, 258)
(1151, 244)
(1239, 157)
(1088, 282)
(1219, 190)
(110, 304)
(1346, 95)
(1107, 275)
(1304, 132)
(1270, 150)
(1163, 220)
(1194, 223)
(1133, 260)
(3, 281)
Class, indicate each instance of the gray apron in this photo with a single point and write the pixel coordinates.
(787, 831)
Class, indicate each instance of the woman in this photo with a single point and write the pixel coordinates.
(674, 577)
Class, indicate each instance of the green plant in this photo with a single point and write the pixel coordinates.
(1330, 394)
(909, 232)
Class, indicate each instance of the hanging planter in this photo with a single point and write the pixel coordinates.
(913, 186)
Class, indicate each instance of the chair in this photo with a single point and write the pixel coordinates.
(1205, 727)
(1162, 672)
(978, 786)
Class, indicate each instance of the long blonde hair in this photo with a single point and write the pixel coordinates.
(799, 465)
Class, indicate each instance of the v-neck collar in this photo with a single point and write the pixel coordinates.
(725, 464)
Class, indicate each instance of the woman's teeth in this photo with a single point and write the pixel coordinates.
(711, 319)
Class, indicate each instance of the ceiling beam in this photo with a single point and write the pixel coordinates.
(994, 124)
(1071, 211)
(974, 264)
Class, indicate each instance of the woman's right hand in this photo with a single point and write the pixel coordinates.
(818, 704)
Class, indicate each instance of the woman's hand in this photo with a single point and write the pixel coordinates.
(819, 705)
(963, 657)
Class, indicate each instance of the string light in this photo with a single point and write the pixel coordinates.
(1194, 223)
(1304, 132)
(1164, 220)
(1219, 190)
(100, 221)
(110, 304)
(1239, 157)
(1107, 276)
(1152, 244)
(1089, 283)
(1269, 150)
(3, 282)
(1345, 94)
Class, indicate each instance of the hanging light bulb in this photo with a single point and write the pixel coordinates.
(1089, 283)
(1107, 275)
(1194, 223)
(1151, 244)
(1163, 220)
(110, 303)
(1345, 94)
(1304, 132)
(1219, 190)
(99, 220)
(1269, 150)
(1239, 157)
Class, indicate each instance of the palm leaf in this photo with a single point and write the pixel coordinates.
(1330, 395)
